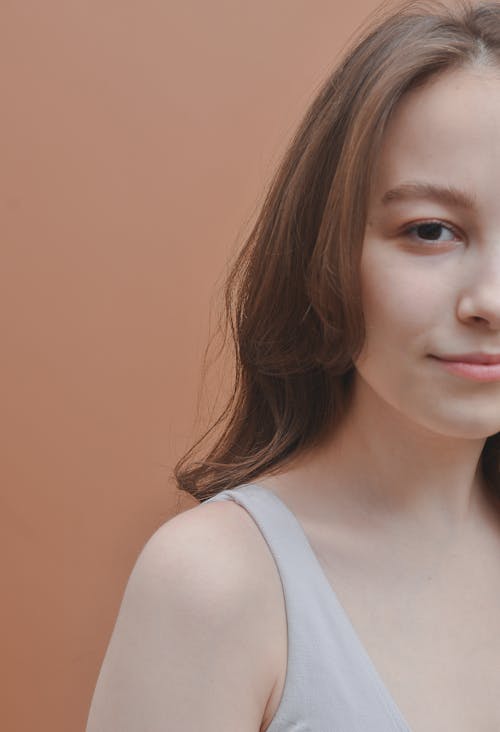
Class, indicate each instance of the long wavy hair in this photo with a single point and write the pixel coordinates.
(292, 295)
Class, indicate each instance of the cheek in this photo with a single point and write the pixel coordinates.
(399, 302)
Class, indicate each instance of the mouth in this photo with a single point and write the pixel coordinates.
(478, 357)
(474, 370)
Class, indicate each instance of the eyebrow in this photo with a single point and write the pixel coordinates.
(448, 194)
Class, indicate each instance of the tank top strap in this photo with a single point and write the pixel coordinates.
(330, 681)
(284, 537)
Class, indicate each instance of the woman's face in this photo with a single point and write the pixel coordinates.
(434, 289)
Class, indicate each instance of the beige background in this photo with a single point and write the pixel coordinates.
(136, 142)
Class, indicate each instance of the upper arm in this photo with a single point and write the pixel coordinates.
(185, 653)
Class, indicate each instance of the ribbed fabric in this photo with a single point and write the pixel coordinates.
(331, 683)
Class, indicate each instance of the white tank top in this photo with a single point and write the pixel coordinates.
(331, 683)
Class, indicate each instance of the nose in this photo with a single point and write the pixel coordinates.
(479, 301)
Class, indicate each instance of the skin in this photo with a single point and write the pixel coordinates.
(432, 295)
(392, 502)
(410, 445)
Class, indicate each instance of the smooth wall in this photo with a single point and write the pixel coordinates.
(137, 141)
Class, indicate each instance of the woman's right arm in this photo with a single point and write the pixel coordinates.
(187, 652)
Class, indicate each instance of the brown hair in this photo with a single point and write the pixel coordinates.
(292, 297)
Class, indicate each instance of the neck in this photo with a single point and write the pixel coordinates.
(400, 470)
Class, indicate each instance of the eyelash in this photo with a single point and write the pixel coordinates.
(432, 242)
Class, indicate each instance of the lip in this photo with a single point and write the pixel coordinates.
(485, 358)
(471, 369)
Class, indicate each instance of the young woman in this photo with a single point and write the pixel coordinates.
(342, 571)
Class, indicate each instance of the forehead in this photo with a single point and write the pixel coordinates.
(446, 132)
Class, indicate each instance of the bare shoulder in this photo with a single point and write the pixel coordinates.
(217, 548)
(193, 646)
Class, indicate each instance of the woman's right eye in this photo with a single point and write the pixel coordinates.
(430, 229)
